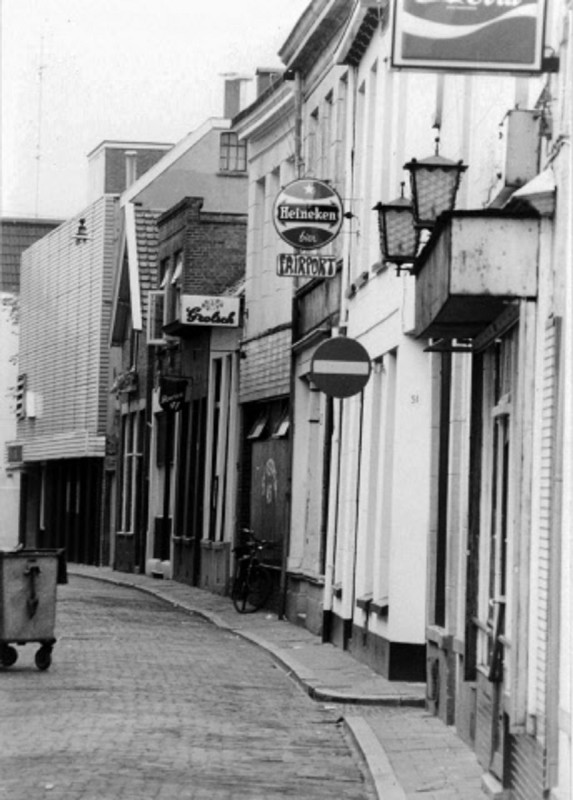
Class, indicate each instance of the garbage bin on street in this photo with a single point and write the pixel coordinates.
(28, 581)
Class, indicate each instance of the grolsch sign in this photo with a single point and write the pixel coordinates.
(210, 310)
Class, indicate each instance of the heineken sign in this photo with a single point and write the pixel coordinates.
(308, 214)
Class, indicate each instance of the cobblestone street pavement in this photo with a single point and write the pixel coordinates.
(145, 701)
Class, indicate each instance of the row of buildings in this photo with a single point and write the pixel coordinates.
(168, 393)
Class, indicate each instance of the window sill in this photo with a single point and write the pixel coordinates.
(315, 580)
(364, 603)
(439, 636)
(380, 607)
(223, 173)
(208, 544)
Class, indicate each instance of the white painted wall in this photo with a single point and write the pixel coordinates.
(9, 480)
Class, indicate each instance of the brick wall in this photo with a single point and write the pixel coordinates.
(213, 244)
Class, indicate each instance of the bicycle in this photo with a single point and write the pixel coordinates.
(252, 582)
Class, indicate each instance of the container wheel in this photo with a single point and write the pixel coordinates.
(8, 655)
(43, 657)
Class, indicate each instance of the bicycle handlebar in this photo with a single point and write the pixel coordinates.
(253, 541)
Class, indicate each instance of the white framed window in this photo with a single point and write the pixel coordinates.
(232, 153)
(132, 454)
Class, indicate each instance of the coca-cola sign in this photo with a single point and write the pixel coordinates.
(208, 310)
(308, 214)
(494, 35)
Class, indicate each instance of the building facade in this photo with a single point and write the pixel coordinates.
(265, 349)
(66, 369)
(16, 235)
(445, 472)
(182, 238)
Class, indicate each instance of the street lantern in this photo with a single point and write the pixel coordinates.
(434, 182)
(81, 235)
(399, 236)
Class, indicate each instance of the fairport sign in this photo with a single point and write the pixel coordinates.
(298, 266)
(308, 214)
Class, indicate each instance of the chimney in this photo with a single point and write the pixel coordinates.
(130, 167)
(266, 76)
(232, 96)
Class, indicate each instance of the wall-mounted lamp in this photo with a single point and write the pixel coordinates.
(434, 182)
(81, 234)
(399, 236)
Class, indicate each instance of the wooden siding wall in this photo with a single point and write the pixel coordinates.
(265, 366)
(65, 295)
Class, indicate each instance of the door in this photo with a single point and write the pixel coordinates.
(494, 590)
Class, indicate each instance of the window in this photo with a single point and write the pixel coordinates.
(260, 424)
(313, 143)
(155, 317)
(233, 153)
(21, 397)
(282, 426)
(493, 610)
(171, 285)
(132, 454)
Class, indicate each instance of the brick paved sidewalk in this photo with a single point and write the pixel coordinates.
(410, 753)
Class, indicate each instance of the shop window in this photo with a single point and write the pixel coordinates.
(233, 153)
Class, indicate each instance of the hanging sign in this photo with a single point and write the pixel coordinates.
(340, 367)
(308, 214)
(291, 265)
(172, 393)
(210, 310)
(494, 35)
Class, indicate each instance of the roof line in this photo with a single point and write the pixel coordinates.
(133, 266)
(173, 155)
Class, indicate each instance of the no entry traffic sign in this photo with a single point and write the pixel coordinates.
(340, 367)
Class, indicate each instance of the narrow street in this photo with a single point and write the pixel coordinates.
(145, 701)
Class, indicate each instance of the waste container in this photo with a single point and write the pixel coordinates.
(28, 581)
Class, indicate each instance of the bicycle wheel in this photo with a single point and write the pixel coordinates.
(239, 593)
(252, 592)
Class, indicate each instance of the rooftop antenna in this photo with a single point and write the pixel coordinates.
(41, 68)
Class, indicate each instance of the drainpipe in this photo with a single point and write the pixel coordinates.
(356, 513)
(332, 535)
(298, 161)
